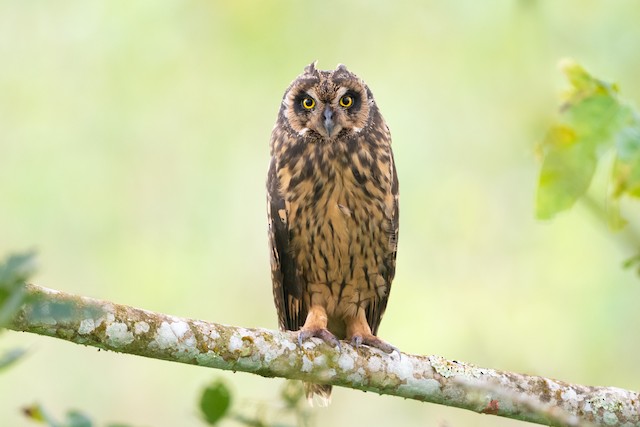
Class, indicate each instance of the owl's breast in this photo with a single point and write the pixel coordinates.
(338, 218)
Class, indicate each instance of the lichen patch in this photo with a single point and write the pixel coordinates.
(346, 362)
(165, 337)
(307, 364)
(413, 386)
(375, 363)
(118, 334)
(179, 328)
(86, 326)
(610, 418)
(140, 328)
(269, 352)
(320, 360)
(569, 396)
(235, 343)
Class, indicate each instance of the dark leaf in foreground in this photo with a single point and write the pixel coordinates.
(215, 402)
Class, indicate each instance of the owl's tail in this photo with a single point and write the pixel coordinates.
(318, 394)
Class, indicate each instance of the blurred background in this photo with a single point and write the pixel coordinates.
(133, 155)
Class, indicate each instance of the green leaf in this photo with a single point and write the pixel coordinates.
(566, 172)
(37, 413)
(292, 393)
(591, 121)
(15, 270)
(10, 357)
(626, 169)
(77, 419)
(633, 262)
(215, 402)
(10, 303)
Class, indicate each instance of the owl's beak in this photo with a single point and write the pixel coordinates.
(329, 125)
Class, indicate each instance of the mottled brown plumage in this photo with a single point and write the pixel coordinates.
(333, 210)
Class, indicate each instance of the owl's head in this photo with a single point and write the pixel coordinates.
(325, 104)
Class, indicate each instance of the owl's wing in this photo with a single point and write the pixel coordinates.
(287, 286)
(376, 310)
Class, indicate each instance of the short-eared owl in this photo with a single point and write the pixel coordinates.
(333, 211)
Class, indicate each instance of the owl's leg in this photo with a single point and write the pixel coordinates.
(359, 332)
(316, 326)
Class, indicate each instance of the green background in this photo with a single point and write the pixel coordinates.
(133, 154)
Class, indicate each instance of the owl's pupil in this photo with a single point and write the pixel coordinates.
(346, 101)
(308, 103)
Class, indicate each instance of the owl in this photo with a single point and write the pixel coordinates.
(332, 193)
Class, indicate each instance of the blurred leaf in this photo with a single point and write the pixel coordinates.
(37, 413)
(293, 396)
(566, 172)
(10, 357)
(292, 393)
(215, 402)
(14, 272)
(592, 120)
(626, 169)
(17, 268)
(10, 303)
(249, 421)
(633, 262)
(34, 412)
(77, 419)
(74, 418)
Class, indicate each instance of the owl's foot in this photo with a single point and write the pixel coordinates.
(321, 333)
(316, 326)
(359, 332)
(372, 341)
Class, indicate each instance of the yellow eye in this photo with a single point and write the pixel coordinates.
(346, 101)
(308, 103)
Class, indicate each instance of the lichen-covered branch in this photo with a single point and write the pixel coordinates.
(268, 353)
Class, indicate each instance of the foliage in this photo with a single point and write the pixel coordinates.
(593, 121)
(10, 357)
(15, 270)
(215, 406)
(73, 418)
(215, 403)
(215, 400)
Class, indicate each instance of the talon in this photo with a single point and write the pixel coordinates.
(323, 334)
(356, 341)
(373, 341)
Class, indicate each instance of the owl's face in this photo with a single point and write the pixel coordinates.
(325, 104)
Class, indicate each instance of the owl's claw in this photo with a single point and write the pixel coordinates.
(373, 341)
(321, 333)
(356, 341)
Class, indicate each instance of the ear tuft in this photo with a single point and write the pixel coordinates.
(341, 72)
(311, 68)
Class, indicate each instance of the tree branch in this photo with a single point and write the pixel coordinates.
(268, 353)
